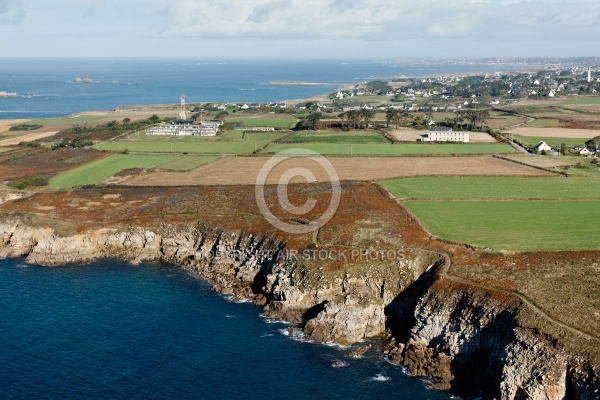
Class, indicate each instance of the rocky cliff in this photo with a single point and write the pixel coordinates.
(476, 344)
(340, 306)
(464, 339)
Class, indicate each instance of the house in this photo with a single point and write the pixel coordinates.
(444, 134)
(541, 146)
(585, 152)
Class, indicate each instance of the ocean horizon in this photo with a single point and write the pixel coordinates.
(122, 82)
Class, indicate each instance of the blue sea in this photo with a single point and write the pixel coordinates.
(140, 82)
(109, 330)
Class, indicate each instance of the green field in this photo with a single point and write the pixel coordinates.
(542, 214)
(584, 168)
(66, 121)
(493, 188)
(552, 141)
(339, 137)
(282, 123)
(227, 136)
(582, 100)
(513, 225)
(100, 170)
(395, 149)
(251, 142)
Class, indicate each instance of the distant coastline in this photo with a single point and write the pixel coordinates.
(293, 83)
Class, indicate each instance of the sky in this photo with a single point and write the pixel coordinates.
(299, 28)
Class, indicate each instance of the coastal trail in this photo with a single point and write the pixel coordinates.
(445, 273)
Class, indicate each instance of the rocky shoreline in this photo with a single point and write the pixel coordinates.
(467, 340)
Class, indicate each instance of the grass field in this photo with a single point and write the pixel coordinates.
(250, 143)
(513, 225)
(582, 100)
(542, 214)
(552, 141)
(226, 136)
(348, 149)
(339, 137)
(100, 170)
(276, 122)
(585, 168)
(493, 188)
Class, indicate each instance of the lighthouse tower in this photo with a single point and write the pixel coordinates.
(589, 74)
(182, 110)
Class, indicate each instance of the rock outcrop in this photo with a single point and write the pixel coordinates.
(474, 344)
(332, 306)
(465, 340)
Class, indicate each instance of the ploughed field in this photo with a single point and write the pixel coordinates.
(245, 170)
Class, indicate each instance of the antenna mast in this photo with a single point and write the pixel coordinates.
(182, 111)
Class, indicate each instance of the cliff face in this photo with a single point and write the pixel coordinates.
(474, 344)
(465, 340)
(333, 306)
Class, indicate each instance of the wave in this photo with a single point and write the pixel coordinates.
(269, 320)
(233, 299)
(294, 334)
(380, 378)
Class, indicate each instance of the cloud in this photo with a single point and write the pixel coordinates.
(384, 20)
(11, 11)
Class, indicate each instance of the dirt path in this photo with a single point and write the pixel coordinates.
(27, 137)
(445, 272)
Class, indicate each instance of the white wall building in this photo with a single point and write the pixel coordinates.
(203, 129)
(444, 134)
(542, 146)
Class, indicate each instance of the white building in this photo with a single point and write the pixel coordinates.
(174, 129)
(444, 134)
(542, 146)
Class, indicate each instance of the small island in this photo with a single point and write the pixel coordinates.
(83, 80)
(9, 95)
